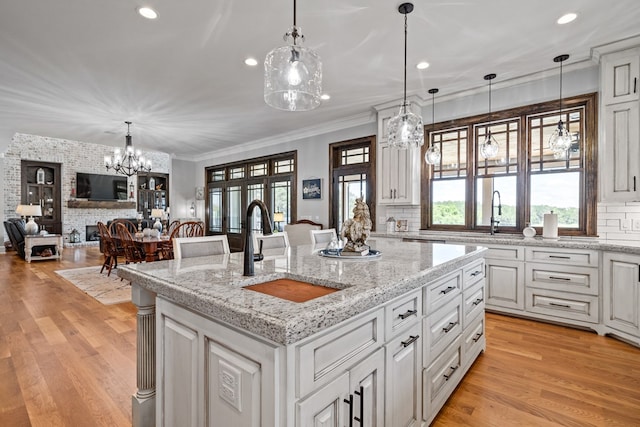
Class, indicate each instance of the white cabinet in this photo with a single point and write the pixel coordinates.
(398, 170)
(404, 379)
(505, 278)
(621, 305)
(619, 142)
(398, 175)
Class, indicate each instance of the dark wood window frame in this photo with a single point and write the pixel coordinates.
(589, 196)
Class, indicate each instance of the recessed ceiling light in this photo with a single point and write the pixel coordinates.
(148, 13)
(565, 19)
(325, 96)
(422, 65)
(252, 62)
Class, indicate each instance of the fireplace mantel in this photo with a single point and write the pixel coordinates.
(100, 204)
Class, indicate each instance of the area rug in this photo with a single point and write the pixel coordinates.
(107, 290)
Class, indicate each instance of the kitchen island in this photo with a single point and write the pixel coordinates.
(389, 344)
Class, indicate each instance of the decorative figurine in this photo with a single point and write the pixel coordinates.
(357, 229)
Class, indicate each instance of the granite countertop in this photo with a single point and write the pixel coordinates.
(213, 285)
(631, 247)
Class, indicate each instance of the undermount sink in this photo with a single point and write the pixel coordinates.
(291, 290)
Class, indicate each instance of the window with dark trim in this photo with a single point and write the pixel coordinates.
(526, 179)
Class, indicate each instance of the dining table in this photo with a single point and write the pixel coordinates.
(150, 245)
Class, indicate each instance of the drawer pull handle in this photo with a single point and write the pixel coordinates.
(559, 257)
(555, 304)
(411, 340)
(449, 289)
(453, 369)
(407, 314)
(478, 301)
(477, 337)
(361, 417)
(350, 403)
(449, 327)
(475, 273)
(559, 278)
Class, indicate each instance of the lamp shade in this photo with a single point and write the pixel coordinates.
(31, 210)
(19, 210)
(278, 216)
(157, 213)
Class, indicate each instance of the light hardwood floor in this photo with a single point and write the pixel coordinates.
(67, 360)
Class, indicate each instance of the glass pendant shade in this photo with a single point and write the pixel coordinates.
(405, 130)
(560, 139)
(293, 75)
(433, 155)
(490, 147)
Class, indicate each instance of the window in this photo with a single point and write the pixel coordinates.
(232, 187)
(351, 166)
(526, 179)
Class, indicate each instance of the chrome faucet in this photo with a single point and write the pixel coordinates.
(495, 222)
(249, 257)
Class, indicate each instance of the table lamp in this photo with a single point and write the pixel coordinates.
(157, 214)
(31, 210)
(278, 217)
(19, 210)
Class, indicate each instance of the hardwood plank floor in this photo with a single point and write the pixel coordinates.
(67, 360)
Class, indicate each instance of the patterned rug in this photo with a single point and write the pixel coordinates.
(107, 290)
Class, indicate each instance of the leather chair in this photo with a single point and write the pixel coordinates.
(15, 232)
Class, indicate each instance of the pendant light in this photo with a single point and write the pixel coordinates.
(293, 74)
(560, 140)
(405, 129)
(490, 147)
(129, 162)
(433, 155)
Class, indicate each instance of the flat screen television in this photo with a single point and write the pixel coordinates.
(101, 187)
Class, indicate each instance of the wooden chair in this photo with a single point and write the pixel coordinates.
(323, 236)
(298, 232)
(132, 252)
(272, 241)
(115, 234)
(189, 247)
(108, 249)
(186, 229)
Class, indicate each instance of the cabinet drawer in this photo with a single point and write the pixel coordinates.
(402, 312)
(442, 291)
(563, 304)
(440, 379)
(473, 340)
(513, 253)
(472, 273)
(473, 303)
(324, 357)
(441, 328)
(582, 280)
(563, 256)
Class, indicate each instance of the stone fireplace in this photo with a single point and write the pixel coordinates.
(92, 233)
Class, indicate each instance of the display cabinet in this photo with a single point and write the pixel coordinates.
(41, 186)
(153, 192)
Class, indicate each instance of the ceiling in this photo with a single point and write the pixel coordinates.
(77, 69)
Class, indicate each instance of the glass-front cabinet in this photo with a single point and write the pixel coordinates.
(41, 186)
(153, 192)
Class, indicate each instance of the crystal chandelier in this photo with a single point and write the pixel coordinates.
(560, 140)
(405, 129)
(293, 74)
(490, 147)
(129, 162)
(433, 155)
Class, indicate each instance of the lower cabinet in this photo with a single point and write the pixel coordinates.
(505, 278)
(621, 306)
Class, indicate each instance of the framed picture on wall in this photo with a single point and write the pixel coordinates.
(312, 188)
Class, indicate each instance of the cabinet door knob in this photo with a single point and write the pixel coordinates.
(453, 369)
(449, 327)
(407, 314)
(360, 393)
(350, 403)
(411, 340)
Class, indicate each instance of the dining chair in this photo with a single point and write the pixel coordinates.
(189, 247)
(133, 253)
(115, 234)
(272, 241)
(323, 236)
(108, 249)
(298, 232)
(186, 229)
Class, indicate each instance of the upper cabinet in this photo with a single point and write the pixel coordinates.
(398, 170)
(620, 134)
(153, 192)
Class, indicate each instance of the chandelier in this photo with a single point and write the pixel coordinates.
(490, 147)
(405, 129)
(293, 74)
(433, 155)
(129, 162)
(560, 140)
